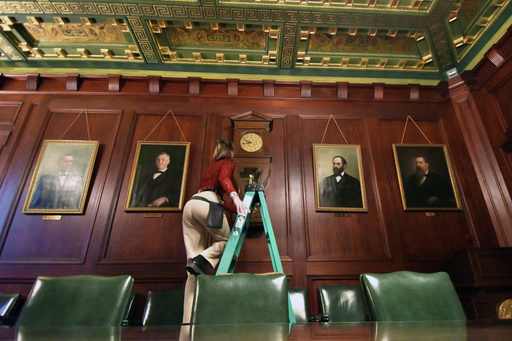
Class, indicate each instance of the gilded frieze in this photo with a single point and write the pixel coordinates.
(324, 42)
(76, 33)
(180, 37)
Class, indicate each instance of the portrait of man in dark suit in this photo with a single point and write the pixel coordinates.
(61, 178)
(340, 189)
(61, 188)
(338, 178)
(158, 176)
(426, 181)
(160, 189)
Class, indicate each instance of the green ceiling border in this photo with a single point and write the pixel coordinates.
(216, 76)
(488, 39)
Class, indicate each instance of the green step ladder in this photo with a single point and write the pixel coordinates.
(253, 195)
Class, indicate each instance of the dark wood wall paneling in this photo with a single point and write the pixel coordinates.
(491, 86)
(316, 248)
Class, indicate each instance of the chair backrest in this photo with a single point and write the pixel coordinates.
(163, 308)
(343, 303)
(411, 296)
(7, 303)
(300, 305)
(129, 311)
(83, 300)
(240, 298)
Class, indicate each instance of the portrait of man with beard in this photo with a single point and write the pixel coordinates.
(425, 189)
(340, 189)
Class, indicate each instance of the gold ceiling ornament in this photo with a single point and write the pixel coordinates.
(61, 53)
(107, 53)
(60, 20)
(83, 53)
(6, 23)
(87, 21)
(31, 50)
(34, 20)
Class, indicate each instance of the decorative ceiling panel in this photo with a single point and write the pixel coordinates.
(217, 43)
(469, 20)
(407, 6)
(423, 41)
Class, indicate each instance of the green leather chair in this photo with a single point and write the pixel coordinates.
(411, 296)
(343, 303)
(83, 300)
(300, 305)
(240, 298)
(129, 311)
(7, 303)
(163, 308)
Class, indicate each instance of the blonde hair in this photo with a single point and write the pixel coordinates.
(223, 149)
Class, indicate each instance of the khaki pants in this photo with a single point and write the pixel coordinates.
(195, 235)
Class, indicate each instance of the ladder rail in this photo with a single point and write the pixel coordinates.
(236, 239)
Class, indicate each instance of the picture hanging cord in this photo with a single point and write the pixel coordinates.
(86, 123)
(170, 111)
(405, 128)
(325, 131)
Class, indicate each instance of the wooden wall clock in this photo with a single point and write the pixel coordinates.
(251, 151)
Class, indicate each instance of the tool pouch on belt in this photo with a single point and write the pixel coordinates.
(215, 214)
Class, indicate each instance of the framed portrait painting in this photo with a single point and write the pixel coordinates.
(426, 177)
(338, 177)
(61, 178)
(158, 178)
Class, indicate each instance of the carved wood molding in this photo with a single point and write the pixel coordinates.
(232, 87)
(490, 178)
(305, 89)
(72, 82)
(458, 90)
(495, 57)
(342, 90)
(193, 85)
(154, 84)
(32, 81)
(114, 83)
(378, 91)
(8, 113)
(5, 131)
(414, 91)
(268, 88)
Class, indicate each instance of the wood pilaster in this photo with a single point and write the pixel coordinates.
(490, 179)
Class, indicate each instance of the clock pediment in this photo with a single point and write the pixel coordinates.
(253, 117)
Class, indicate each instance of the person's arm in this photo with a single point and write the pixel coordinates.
(225, 174)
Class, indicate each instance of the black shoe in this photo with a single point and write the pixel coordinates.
(198, 266)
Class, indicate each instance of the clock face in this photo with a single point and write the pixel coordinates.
(251, 142)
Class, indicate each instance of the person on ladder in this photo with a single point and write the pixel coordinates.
(201, 258)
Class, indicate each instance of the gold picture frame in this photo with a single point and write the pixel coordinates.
(425, 176)
(165, 191)
(347, 193)
(61, 178)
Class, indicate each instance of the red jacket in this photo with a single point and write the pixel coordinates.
(219, 177)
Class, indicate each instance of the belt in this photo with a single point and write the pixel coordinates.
(207, 190)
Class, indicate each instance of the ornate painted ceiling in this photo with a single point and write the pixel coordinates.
(390, 41)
